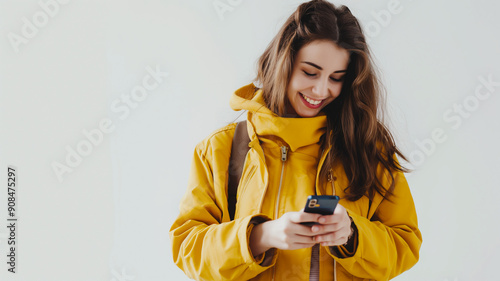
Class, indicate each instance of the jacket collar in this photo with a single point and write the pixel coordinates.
(265, 124)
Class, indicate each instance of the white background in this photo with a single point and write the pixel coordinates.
(108, 219)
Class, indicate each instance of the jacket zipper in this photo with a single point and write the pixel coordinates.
(331, 179)
(284, 153)
(314, 272)
(283, 159)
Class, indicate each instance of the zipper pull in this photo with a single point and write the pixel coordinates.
(283, 153)
(331, 178)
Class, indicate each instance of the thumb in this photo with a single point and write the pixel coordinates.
(302, 216)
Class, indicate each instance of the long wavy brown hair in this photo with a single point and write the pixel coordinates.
(357, 136)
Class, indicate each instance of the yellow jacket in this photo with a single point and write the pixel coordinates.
(208, 246)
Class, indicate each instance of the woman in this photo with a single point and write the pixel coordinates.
(313, 129)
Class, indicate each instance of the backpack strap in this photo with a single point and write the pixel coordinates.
(239, 150)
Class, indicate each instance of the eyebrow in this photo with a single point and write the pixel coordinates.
(320, 68)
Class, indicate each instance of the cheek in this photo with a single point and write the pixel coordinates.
(297, 82)
(336, 89)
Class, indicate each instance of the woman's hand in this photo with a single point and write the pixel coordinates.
(333, 230)
(285, 233)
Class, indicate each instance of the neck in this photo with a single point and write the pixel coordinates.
(289, 112)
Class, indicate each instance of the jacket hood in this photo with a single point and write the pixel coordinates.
(268, 126)
(249, 98)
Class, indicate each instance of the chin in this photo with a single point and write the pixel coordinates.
(309, 114)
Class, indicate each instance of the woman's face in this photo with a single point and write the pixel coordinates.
(317, 77)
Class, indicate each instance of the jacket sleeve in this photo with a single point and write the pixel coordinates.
(203, 246)
(387, 244)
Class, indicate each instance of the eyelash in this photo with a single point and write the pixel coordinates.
(312, 75)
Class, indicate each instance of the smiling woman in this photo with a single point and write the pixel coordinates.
(316, 77)
(313, 130)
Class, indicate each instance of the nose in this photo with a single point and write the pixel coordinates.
(320, 89)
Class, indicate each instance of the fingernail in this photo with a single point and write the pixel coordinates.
(314, 229)
(322, 220)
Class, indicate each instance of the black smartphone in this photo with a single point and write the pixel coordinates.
(320, 204)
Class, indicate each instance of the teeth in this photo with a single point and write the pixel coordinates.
(313, 102)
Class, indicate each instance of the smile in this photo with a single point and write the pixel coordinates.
(311, 102)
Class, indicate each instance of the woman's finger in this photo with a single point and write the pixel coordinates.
(298, 217)
(335, 238)
(320, 229)
(339, 214)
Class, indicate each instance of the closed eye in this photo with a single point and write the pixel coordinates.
(309, 74)
(313, 74)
